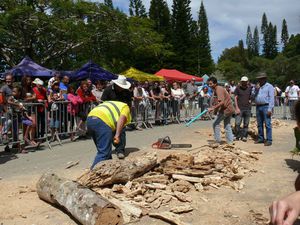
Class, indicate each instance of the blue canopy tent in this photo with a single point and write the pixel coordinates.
(29, 67)
(94, 72)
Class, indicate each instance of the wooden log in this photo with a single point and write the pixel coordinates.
(187, 178)
(87, 206)
(117, 171)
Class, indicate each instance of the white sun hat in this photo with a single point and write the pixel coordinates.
(244, 78)
(122, 82)
(38, 81)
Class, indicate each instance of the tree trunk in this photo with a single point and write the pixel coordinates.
(87, 206)
(117, 171)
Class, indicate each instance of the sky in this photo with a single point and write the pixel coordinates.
(228, 19)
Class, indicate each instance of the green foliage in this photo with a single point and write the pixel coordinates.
(293, 46)
(204, 57)
(284, 34)
(231, 70)
(264, 24)
(160, 14)
(256, 43)
(270, 49)
(136, 8)
(109, 3)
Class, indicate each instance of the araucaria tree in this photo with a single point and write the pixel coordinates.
(204, 49)
(284, 33)
(136, 8)
(159, 13)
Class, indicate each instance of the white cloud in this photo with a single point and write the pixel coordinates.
(228, 19)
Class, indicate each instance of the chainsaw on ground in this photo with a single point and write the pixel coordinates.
(165, 143)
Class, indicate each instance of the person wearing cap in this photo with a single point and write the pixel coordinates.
(41, 97)
(224, 109)
(292, 94)
(191, 93)
(119, 91)
(105, 124)
(264, 100)
(242, 101)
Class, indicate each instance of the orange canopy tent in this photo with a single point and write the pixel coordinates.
(175, 75)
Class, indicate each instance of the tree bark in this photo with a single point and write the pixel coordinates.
(117, 171)
(87, 206)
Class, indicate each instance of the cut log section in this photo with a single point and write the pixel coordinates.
(87, 206)
(117, 171)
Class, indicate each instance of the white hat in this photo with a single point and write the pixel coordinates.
(244, 78)
(122, 82)
(38, 81)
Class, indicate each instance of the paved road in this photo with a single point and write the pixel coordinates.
(35, 163)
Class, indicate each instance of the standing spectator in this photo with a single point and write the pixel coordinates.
(56, 77)
(292, 94)
(63, 86)
(232, 86)
(85, 93)
(204, 98)
(156, 95)
(29, 96)
(166, 97)
(191, 93)
(178, 97)
(278, 93)
(242, 108)
(264, 100)
(41, 97)
(90, 84)
(119, 91)
(98, 91)
(224, 110)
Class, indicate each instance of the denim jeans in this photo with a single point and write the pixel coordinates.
(120, 148)
(102, 136)
(227, 127)
(262, 118)
(245, 117)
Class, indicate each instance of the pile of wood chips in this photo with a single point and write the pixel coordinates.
(141, 185)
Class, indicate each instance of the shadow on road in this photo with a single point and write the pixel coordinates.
(5, 157)
(128, 151)
(293, 164)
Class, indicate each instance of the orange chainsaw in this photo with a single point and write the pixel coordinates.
(165, 143)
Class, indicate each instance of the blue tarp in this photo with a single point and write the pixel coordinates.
(29, 67)
(92, 71)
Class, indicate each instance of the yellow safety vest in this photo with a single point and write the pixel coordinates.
(110, 111)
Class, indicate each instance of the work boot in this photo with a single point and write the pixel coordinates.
(120, 155)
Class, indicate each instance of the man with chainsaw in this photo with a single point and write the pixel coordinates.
(105, 124)
(224, 109)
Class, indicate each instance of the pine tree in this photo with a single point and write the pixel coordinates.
(136, 8)
(256, 42)
(205, 58)
(109, 3)
(284, 34)
(160, 14)
(249, 42)
(264, 24)
(274, 43)
(181, 25)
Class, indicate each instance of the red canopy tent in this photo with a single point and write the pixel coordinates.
(176, 75)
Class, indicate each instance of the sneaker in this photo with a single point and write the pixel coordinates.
(268, 143)
(120, 155)
(244, 139)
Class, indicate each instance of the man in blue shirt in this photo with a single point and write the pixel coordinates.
(264, 100)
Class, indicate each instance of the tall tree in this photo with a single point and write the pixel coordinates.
(205, 58)
(256, 43)
(181, 31)
(264, 24)
(274, 43)
(249, 42)
(137, 8)
(109, 3)
(270, 49)
(160, 14)
(284, 34)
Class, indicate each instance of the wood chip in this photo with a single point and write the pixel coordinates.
(187, 178)
(169, 217)
(182, 209)
(182, 197)
(71, 164)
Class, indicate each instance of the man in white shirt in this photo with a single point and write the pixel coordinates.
(292, 94)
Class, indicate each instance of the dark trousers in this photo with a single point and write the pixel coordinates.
(41, 123)
(244, 117)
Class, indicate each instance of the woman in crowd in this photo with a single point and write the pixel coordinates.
(41, 97)
(165, 105)
(98, 91)
(73, 110)
(29, 96)
(178, 97)
(156, 95)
